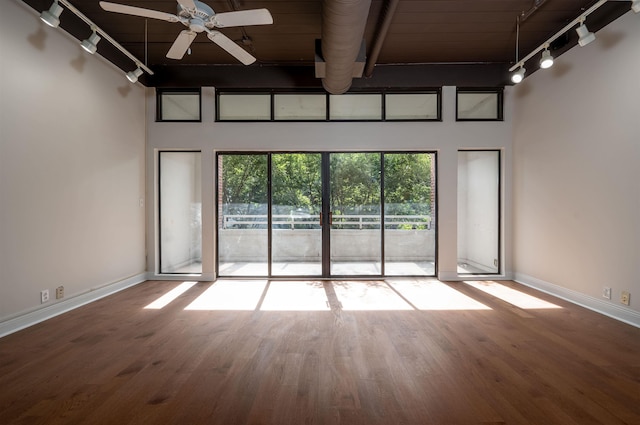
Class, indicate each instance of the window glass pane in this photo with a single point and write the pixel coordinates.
(355, 214)
(242, 215)
(478, 211)
(409, 214)
(180, 213)
(478, 106)
(418, 106)
(253, 107)
(179, 106)
(296, 205)
(355, 107)
(300, 107)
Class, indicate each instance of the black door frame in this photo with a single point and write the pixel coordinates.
(325, 215)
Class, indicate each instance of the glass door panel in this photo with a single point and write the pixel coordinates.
(180, 212)
(296, 204)
(243, 234)
(356, 239)
(478, 212)
(409, 221)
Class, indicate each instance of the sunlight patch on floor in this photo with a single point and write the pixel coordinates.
(435, 295)
(512, 296)
(369, 296)
(230, 295)
(170, 296)
(295, 296)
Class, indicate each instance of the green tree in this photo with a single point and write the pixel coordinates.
(355, 180)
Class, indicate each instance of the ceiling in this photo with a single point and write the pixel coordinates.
(429, 42)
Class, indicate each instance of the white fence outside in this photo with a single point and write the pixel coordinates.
(407, 238)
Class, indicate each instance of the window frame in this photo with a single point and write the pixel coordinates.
(161, 91)
(499, 91)
(500, 263)
(381, 92)
(437, 91)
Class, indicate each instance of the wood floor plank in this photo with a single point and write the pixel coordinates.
(115, 361)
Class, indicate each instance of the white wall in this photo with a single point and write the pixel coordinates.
(444, 137)
(577, 171)
(72, 140)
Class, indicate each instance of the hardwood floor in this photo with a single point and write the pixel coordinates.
(378, 352)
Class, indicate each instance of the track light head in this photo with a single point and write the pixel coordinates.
(585, 36)
(546, 60)
(518, 75)
(635, 6)
(51, 17)
(133, 75)
(91, 44)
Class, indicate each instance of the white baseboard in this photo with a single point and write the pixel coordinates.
(29, 319)
(200, 277)
(455, 276)
(607, 308)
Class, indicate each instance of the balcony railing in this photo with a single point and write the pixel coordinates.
(310, 221)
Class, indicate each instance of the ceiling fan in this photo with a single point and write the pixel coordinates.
(199, 17)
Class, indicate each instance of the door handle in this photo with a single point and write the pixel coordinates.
(330, 219)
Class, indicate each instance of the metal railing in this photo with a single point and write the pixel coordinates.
(310, 221)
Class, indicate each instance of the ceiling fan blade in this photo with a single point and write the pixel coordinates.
(231, 47)
(243, 18)
(138, 11)
(188, 4)
(182, 43)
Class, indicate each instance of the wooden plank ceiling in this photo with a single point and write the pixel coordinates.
(477, 37)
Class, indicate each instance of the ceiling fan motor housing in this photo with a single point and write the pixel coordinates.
(202, 11)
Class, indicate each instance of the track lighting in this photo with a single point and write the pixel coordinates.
(133, 75)
(635, 6)
(91, 44)
(51, 17)
(585, 36)
(518, 76)
(546, 60)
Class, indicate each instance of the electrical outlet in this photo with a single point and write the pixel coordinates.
(59, 292)
(625, 298)
(606, 292)
(44, 296)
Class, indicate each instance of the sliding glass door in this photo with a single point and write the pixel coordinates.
(326, 214)
(354, 211)
(243, 234)
(409, 214)
(296, 206)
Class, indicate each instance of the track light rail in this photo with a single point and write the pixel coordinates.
(104, 35)
(570, 25)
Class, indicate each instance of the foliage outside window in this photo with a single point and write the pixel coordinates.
(408, 185)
